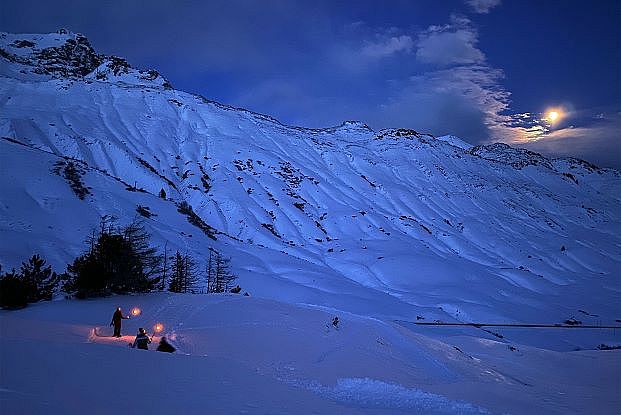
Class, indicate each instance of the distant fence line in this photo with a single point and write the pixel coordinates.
(546, 326)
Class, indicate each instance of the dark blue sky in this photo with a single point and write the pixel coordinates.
(485, 70)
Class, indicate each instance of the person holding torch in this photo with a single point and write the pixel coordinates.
(116, 321)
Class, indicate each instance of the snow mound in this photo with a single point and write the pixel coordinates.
(372, 393)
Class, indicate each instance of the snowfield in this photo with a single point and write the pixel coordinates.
(383, 229)
(241, 354)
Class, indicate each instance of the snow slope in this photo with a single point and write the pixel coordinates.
(488, 232)
(393, 225)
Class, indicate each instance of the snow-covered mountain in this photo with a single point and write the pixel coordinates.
(383, 228)
(392, 223)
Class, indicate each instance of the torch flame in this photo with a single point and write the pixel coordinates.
(136, 311)
(158, 327)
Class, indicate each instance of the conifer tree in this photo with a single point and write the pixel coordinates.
(165, 268)
(40, 281)
(12, 291)
(183, 274)
(219, 276)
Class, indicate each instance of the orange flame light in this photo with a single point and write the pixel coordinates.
(158, 328)
(136, 311)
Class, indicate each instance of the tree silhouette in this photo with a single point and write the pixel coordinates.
(219, 276)
(40, 281)
(183, 274)
(119, 260)
(12, 291)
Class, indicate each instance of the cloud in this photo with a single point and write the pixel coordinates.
(386, 47)
(482, 6)
(460, 94)
(599, 143)
(464, 101)
(465, 93)
(454, 43)
(453, 91)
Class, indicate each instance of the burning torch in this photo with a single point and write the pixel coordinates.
(158, 328)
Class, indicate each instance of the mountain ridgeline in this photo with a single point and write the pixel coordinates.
(392, 223)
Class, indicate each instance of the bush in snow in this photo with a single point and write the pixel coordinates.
(185, 209)
(73, 173)
(604, 346)
(119, 260)
(144, 211)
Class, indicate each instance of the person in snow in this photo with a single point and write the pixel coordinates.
(164, 346)
(142, 340)
(116, 321)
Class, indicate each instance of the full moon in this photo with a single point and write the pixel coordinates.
(554, 115)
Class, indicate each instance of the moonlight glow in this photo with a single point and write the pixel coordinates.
(554, 115)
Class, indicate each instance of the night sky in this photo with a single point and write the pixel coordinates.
(484, 70)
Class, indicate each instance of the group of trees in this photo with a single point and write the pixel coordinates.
(184, 275)
(118, 260)
(34, 282)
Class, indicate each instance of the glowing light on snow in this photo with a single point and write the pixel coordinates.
(158, 328)
(136, 311)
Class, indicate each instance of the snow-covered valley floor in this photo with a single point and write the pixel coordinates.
(245, 355)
